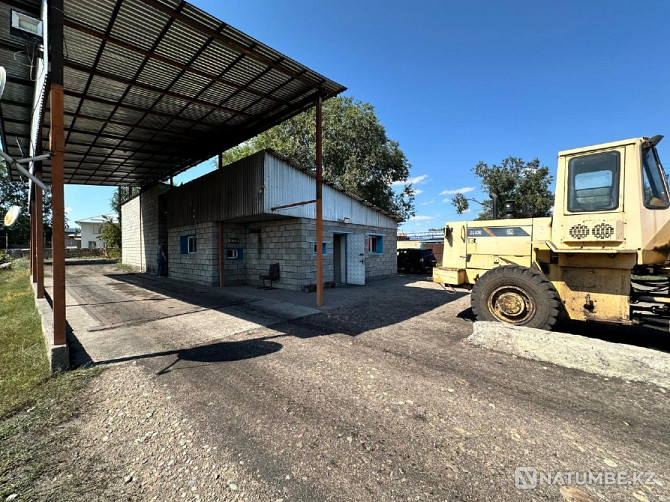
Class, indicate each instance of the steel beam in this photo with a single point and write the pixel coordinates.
(39, 236)
(57, 146)
(222, 258)
(319, 205)
(31, 209)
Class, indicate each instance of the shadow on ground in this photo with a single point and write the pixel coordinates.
(379, 304)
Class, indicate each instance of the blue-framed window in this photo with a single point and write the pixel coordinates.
(187, 244)
(375, 244)
(234, 253)
(324, 248)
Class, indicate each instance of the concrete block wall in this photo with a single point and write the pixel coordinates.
(290, 242)
(202, 266)
(278, 241)
(139, 229)
(131, 238)
(235, 236)
(379, 265)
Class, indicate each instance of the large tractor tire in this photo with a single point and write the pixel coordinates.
(516, 295)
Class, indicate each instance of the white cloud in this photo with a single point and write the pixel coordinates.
(411, 181)
(457, 190)
(68, 209)
(446, 201)
(427, 203)
(416, 191)
(421, 218)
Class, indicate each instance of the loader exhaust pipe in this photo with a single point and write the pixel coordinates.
(494, 198)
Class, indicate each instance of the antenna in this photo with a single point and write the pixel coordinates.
(12, 215)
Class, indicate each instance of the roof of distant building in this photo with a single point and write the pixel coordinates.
(103, 218)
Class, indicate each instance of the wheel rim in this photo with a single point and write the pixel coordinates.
(511, 304)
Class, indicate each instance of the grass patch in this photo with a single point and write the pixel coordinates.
(34, 442)
(23, 359)
(34, 407)
(126, 268)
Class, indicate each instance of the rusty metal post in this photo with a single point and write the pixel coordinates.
(221, 257)
(57, 146)
(31, 210)
(39, 235)
(319, 205)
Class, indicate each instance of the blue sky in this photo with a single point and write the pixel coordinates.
(459, 82)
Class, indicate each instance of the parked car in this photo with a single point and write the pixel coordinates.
(416, 260)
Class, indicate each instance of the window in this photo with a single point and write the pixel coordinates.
(593, 182)
(375, 244)
(234, 253)
(187, 244)
(324, 248)
(654, 183)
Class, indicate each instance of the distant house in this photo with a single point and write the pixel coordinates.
(90, 230)
(230, 226)
(72, 240)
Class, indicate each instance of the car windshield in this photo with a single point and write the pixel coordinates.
(655, 187)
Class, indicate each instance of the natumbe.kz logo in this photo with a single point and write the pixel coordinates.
(528, 478)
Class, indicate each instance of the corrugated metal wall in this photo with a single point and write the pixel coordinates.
(256, 184)
(286, 185)
(231, 192)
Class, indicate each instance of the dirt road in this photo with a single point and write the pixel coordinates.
(378, 399)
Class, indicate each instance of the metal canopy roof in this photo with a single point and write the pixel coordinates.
(152, 88)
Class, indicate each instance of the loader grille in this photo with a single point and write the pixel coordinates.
(603, 231)
(579, 231)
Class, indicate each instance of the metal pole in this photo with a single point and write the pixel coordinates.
(39, 235)
(57, 142)
(319, 206)
(31, 207)
(221, 257)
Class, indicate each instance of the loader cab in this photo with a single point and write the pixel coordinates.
(613, 198)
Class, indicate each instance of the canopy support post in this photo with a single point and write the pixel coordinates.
(57, 146)
(319, 204)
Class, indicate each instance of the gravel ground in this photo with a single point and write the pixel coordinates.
(379, 400)
(146, 448)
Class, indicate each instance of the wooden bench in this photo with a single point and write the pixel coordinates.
(272, 275)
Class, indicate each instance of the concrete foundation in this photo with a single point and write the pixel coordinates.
(603, 358)
(59, 355)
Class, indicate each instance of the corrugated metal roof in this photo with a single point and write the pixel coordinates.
(152, 88)
(100, 219)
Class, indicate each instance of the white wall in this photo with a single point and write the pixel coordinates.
(90, 232)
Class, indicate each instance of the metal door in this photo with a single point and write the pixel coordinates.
(356, 259)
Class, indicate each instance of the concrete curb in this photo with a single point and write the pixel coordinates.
(573, 351)
(59, 355)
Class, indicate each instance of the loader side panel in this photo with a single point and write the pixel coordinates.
(494, 243)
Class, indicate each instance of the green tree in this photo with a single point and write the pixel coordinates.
(110, 232)
(526, 183)
(119, 196)
(15, 193)
(358, 156)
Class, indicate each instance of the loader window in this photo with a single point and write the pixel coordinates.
(593, 182)
(655, 188)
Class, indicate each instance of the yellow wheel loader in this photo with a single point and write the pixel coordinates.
(600, 257)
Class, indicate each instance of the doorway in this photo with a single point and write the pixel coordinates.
(340, 258)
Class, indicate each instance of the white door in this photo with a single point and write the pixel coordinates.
(356, 259)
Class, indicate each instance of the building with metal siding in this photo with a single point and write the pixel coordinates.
(229, 226)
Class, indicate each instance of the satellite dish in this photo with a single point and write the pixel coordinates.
(12, 215)
(3, 80)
